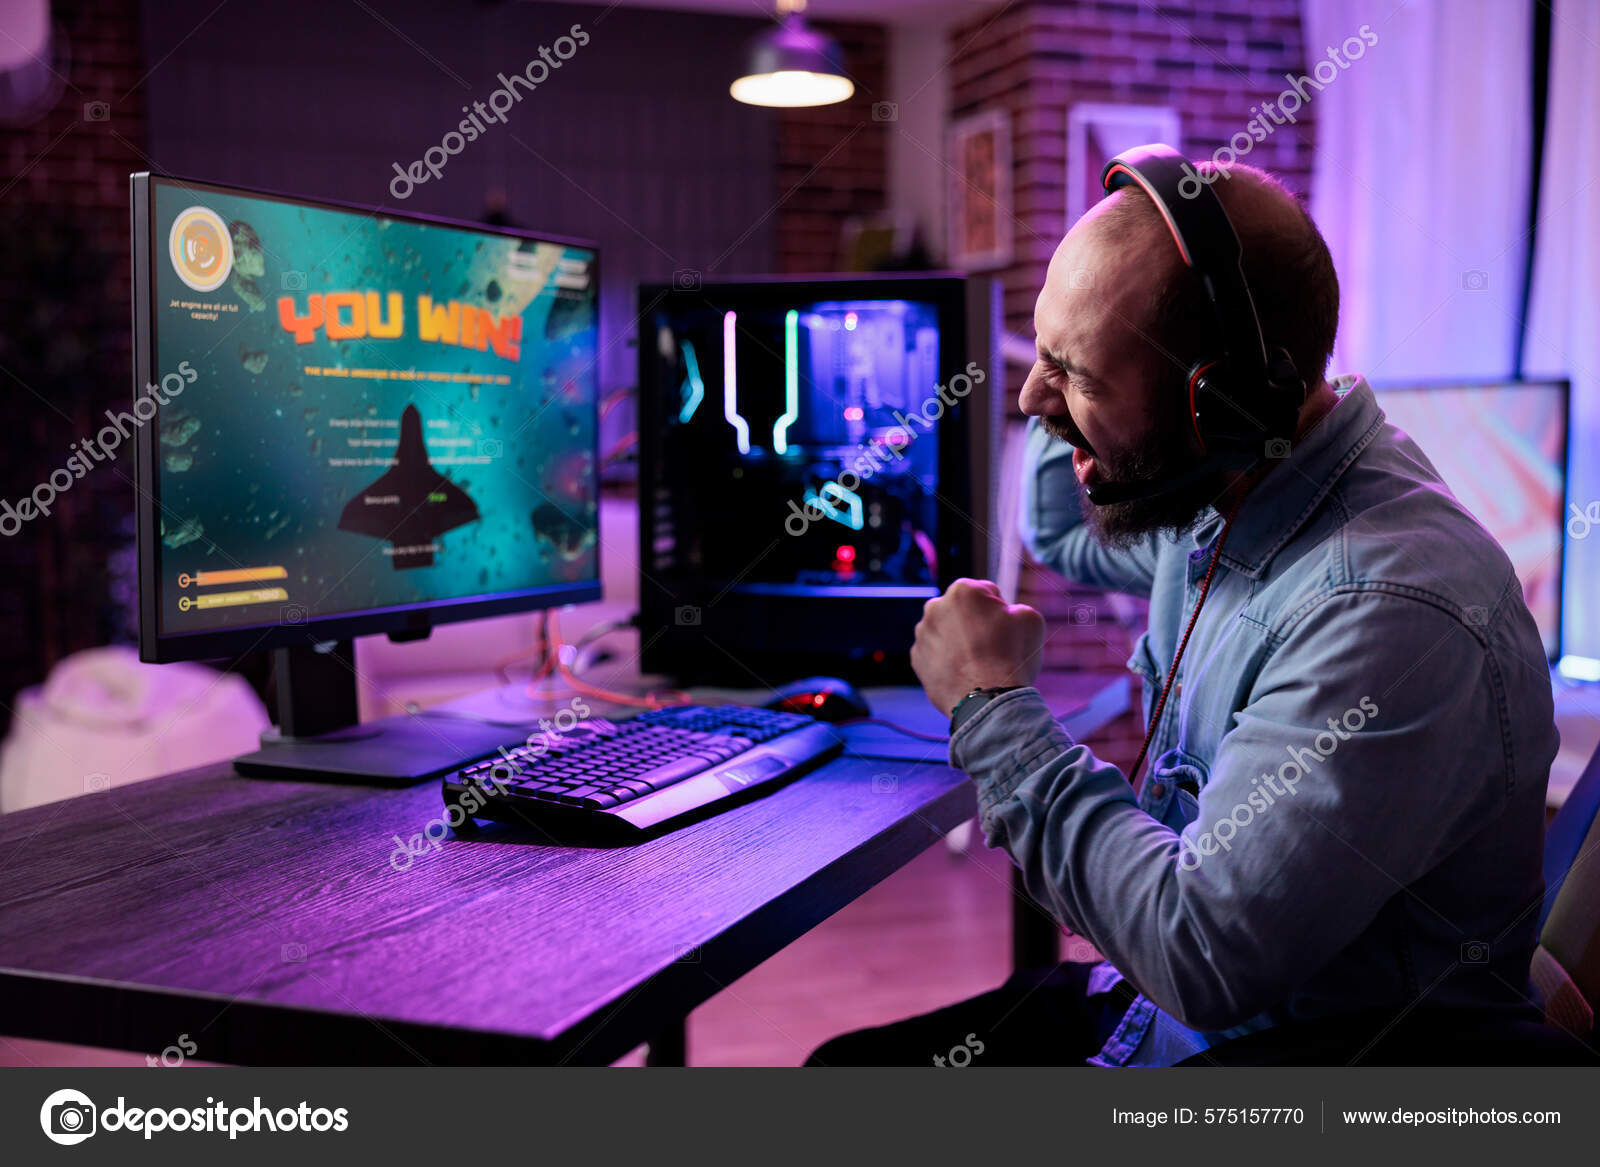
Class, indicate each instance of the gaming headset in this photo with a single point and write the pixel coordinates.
(1243, 400)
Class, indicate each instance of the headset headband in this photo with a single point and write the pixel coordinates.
(1207, 243)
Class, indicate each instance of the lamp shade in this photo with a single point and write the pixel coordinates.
(793, 65)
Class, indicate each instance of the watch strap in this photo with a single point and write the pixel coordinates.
(969, 705)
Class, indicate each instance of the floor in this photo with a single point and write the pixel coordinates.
(934, 932)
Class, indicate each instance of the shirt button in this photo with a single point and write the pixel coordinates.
(1159, 790)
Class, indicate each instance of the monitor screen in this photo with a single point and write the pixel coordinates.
(1502, 451)
(376, 413)
(808, 449)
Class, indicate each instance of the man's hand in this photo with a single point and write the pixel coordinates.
(970, 638)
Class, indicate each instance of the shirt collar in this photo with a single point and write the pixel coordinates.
(1282, 502)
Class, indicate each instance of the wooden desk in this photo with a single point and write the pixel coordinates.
(266, 921)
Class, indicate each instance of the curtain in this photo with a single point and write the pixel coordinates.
(1420, 182)
(1564, 309)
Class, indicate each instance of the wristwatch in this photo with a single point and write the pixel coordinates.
(974, 701)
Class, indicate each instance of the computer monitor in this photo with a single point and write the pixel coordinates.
(1501, 448)
(352, 421)
(814, 467)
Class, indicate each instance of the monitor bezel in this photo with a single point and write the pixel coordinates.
(409, 620)
(1564, 384)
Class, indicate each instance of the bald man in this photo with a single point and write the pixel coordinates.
(1340, 832)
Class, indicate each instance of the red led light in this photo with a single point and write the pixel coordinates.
(853, 413)
(845, 554)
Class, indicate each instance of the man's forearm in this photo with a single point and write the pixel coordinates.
(1087, 852)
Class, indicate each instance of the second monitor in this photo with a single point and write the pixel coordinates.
(815, 466)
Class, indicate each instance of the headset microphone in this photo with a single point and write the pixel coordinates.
(1106, 493)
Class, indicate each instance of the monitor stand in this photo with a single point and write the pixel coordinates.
(319, 737)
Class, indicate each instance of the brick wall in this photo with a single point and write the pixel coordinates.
(64, 354)
(833, 159)
(1212, 61)
(64, 349)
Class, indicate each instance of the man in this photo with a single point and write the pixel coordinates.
(1344, 808)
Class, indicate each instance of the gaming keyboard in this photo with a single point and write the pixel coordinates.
(632, 776)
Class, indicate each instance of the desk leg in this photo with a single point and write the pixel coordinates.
(670, 1047)
(1035, 938)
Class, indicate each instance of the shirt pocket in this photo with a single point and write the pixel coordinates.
(1171, 794)
(1142, 663)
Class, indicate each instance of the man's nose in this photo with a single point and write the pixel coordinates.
(1038, 399)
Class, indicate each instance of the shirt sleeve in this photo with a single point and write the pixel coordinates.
(1345, 777)
(1053, 529)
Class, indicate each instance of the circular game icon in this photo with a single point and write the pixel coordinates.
(201, 248)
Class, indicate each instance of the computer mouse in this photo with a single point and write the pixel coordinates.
(825, 698)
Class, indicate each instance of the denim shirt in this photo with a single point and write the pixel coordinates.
(1345, 809)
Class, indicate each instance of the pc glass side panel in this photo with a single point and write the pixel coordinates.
(362, 421)
(805, 473)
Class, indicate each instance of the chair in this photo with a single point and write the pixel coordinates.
(1566, 965)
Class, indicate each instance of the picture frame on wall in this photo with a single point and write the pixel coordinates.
(1097, 132)
(980, 191)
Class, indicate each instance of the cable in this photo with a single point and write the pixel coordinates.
(927, 737)
(619, 448)
(546, 653)
(613, 399)
(650, 700)
(1205, 587)
(504, 663)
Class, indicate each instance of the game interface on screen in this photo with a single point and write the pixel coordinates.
(382, 413)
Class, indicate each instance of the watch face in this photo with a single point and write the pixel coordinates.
(967, 704)
(976, 700)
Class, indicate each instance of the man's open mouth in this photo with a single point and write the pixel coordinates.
(1083, 465)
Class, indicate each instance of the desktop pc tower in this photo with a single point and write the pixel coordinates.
(815, 465)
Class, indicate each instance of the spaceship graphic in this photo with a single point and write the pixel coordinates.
(411, 504)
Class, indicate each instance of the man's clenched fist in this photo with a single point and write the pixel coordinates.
(970, 638)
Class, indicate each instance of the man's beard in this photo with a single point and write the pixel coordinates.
(1168, 452)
